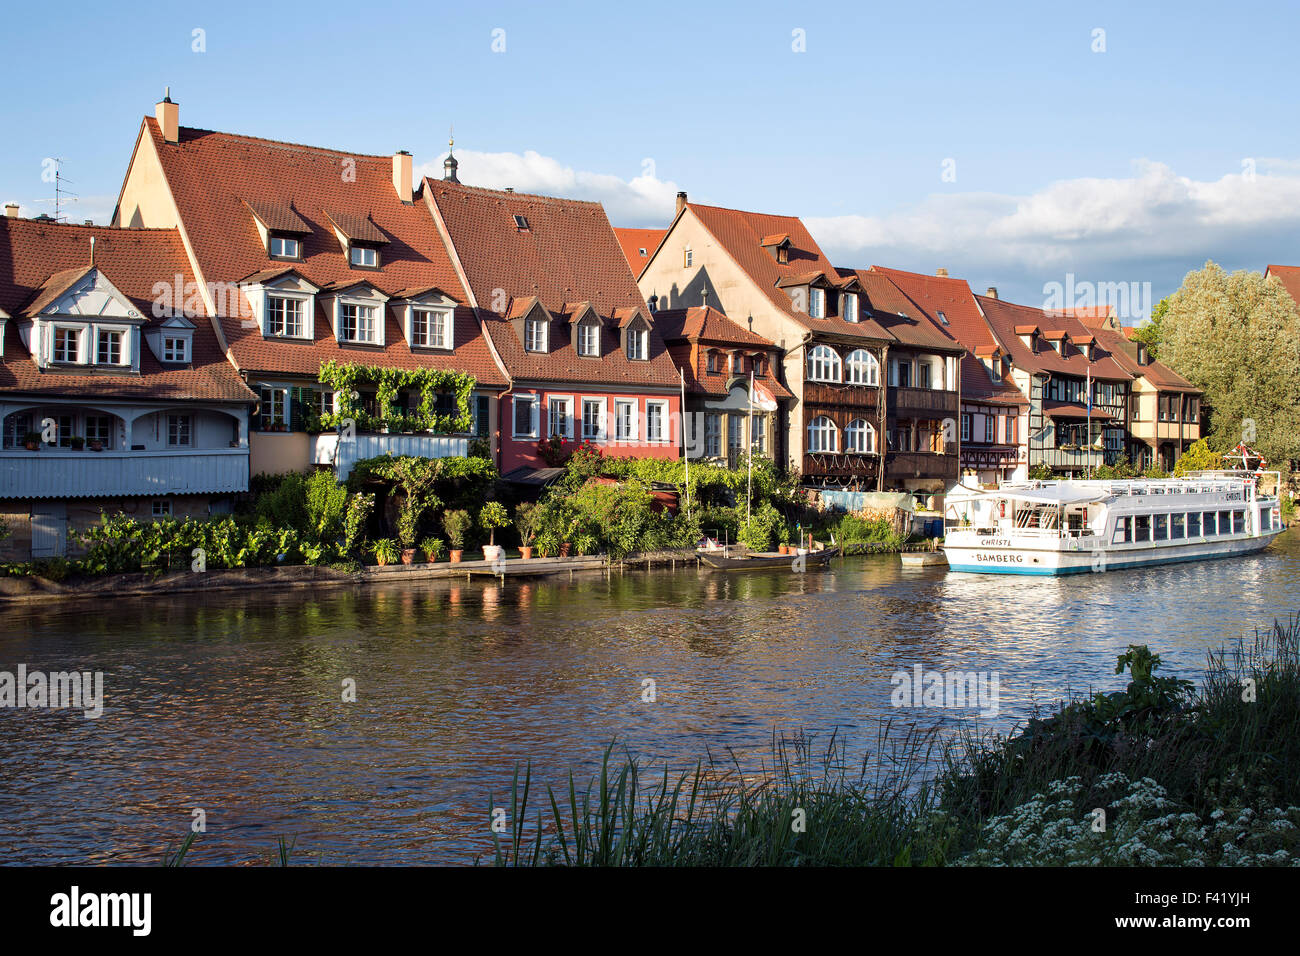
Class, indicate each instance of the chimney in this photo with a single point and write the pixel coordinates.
(11, 210)
(168, 115)
(402, 174)
(681, 202)
(992, 292)
(941, 272)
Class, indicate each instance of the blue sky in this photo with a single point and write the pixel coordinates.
(1122, 165)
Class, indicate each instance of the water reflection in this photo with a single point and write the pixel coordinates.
(234, 703)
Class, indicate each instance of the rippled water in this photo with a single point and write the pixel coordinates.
(232, 703)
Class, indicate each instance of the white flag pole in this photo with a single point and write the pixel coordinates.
(749, 425)
(686, 444)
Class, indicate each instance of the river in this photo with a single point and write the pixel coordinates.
(233, 703)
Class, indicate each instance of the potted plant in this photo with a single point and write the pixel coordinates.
(433, 549)
(96, 444)
(32, 440)
(385, 551)
(525, 514)
(457, 524)
(77, 442)
(492, 516)
(406, 527)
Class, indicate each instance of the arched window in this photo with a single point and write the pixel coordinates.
(863, 369)
(823, 435)
(860, 437)
(823, 364)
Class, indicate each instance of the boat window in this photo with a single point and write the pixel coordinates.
(1142, 528)
(1121, 530)
(1177, 526)
(1225, 522)
(1162, 527)
(1194, 525)
(1238, 522)
(1210, 522)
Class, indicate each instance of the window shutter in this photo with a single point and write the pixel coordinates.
(298, 404)
(483, 416)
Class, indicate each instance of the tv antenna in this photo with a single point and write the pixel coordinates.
(62, 195)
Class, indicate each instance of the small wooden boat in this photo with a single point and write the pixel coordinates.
(721, 560)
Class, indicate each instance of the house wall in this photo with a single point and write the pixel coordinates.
(273, 453)
(84, 513)
(521, 451)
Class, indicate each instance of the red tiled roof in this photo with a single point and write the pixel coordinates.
(965, 323)
(567, 255)
(216, 178)
(1289, 276)
(1005, 317)
(705, 325)
(633, 241)
(1125, 353)
(898, 315)
(741, 234)
(133, 260)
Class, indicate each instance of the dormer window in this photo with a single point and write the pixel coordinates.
(285, 247)
(358, 324)
(431, 328)
(535, 335)
(783, 255)
(108, 350)
(284, 316)
(364, 257)
(1142, 355)
(817, 303)
(589, 339)
(637, 340)
(67, 345)
(850, 307)
(176, 348)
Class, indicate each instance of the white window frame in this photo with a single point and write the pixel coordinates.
(638, 344)
(965, 426)
(688, 257)
(853, 430)
(304, 304)
(281, 395)
(540, 325)
(819, 429)
(533, 400)
(121, 345)
(630, 405)
(601, 406)
(663, 430)
(170, 352)
(77, 332)
(816, 302)
(589, 329)
(435, 321)
(285, 242)
(565, 430)
(374, 318)
(861, 367)
(850, 307)
(824, 364)
(713, 435)
(363, 253)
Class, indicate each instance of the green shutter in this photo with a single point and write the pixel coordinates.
(484, 415)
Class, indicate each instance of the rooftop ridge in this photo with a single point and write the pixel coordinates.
(284, 144)
(513, 193)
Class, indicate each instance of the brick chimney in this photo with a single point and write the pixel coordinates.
(11, 210)
(992, 292)
(402, 174)
(168, 115)
(941, 272)
(681, 202)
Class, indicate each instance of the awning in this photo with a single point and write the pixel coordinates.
(1044, 496)
(533, 477)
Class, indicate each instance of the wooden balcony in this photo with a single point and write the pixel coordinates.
(914, 402)
(921, 464)
(820, 394)
(841, 467)
(64, 473)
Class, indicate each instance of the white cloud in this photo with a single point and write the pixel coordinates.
(645, 198)
(1153, 226)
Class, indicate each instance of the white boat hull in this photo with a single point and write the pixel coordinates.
(1079, 556)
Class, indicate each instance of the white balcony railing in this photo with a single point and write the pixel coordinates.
(329, 449)
(64, 473)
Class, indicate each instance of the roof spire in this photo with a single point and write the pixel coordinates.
(704, 297)
(449, 165)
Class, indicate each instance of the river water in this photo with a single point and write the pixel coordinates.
(233, 703)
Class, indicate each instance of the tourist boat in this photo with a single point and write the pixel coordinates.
(725, 559)
(1065, 527)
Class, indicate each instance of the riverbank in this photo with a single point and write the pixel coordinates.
(1159, 774)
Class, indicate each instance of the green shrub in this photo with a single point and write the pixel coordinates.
(434, 549)
(492, 516)
(385, 551)
(457, 524)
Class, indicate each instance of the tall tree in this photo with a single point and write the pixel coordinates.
(1238, 337)
(1152, 332)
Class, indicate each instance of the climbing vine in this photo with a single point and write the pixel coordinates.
(346, 378)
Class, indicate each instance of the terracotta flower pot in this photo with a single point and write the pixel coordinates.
(381, 561)
(455, 554)
(526, 552)
(564, 549)
(32, 446)
(408, 555)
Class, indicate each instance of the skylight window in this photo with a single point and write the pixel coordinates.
(521, 223)
(943, 318)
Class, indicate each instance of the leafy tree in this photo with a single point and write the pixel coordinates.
(1152, 332)
(1198, 457)
(1238, 337)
